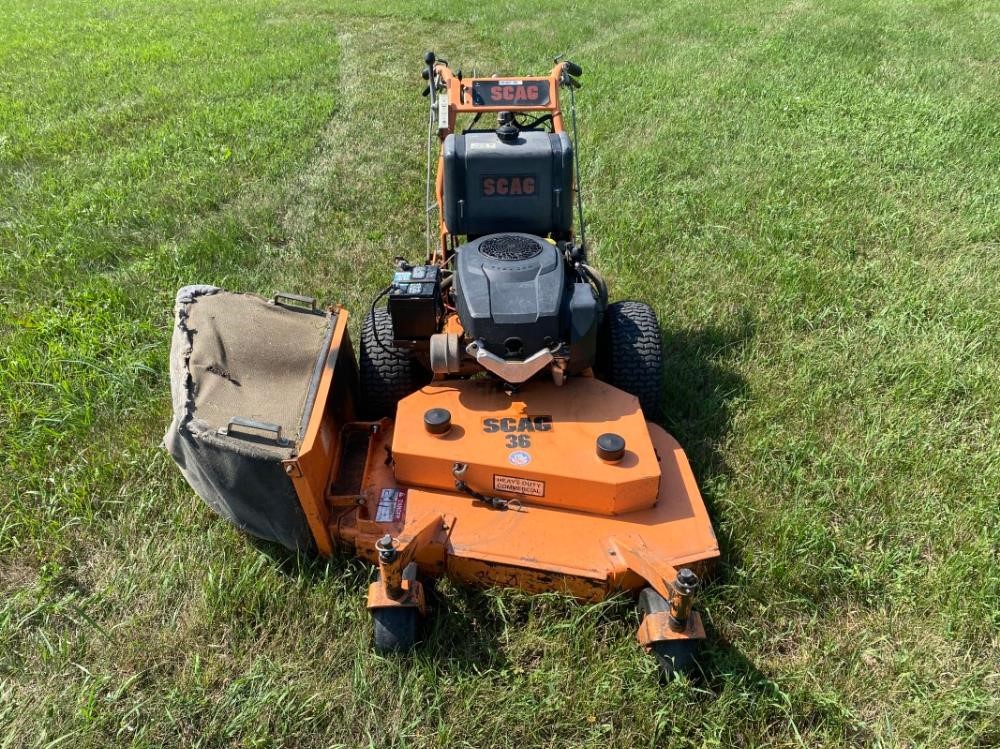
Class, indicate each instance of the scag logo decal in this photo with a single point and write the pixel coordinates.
(517, 424)
(514, 93)
(505, 187)
(517, 429)
(492, 93)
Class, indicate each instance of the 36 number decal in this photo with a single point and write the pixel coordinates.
(518, 440)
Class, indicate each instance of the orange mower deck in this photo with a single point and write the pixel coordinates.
(526, 544)
(538, 548)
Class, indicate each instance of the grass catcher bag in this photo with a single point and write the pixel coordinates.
(244, 373)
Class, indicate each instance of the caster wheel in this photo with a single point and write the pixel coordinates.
(672, 656)
(676, 657)
(395, 628)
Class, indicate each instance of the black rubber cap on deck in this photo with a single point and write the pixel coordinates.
(437, 420)
(610, 446)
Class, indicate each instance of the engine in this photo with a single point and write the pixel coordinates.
(518, 302)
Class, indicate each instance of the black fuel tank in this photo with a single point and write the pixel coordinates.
(525, 184)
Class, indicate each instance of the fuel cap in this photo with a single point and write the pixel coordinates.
(610, 447)
(437, 420)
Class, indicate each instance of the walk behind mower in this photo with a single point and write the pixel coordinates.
(496, 425)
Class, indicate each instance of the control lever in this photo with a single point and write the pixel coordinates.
(428, 73)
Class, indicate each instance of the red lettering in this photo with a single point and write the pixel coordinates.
(508, 186)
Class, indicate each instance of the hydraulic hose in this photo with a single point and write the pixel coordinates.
(599, 282)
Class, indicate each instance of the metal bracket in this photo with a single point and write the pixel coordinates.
(397, 584)
(412, 593)
(657, 627)
(645, 563)
(514, 372)
(676, 586)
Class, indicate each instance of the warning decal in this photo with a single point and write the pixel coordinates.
(391, 505)
(527, 487)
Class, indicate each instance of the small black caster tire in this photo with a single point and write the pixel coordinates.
(672, 656)
(395, 628)
(676, 657)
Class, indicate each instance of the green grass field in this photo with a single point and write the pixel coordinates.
(808, 193)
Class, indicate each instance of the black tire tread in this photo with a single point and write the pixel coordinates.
(395, 628)
(632, 357)
(676, 657)
(388, 373)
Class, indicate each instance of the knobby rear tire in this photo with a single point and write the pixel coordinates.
(630, 353)
(388, 373)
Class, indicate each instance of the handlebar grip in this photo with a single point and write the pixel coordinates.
(429, 57)
(572, 68)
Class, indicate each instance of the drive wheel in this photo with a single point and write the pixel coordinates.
(630, 356)
(395, 628)
(672, 656)
(387, 372)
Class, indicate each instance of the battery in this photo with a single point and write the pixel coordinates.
(415, 303)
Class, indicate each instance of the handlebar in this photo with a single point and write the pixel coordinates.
(431, 59)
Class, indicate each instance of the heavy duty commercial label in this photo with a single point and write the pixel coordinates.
(527, 487)
(391, 505)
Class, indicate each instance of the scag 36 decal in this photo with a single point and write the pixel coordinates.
(517, 429)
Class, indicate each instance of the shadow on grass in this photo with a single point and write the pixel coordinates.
(463, 630)
(701, 387)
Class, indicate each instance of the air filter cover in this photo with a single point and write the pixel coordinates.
(510, 289)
